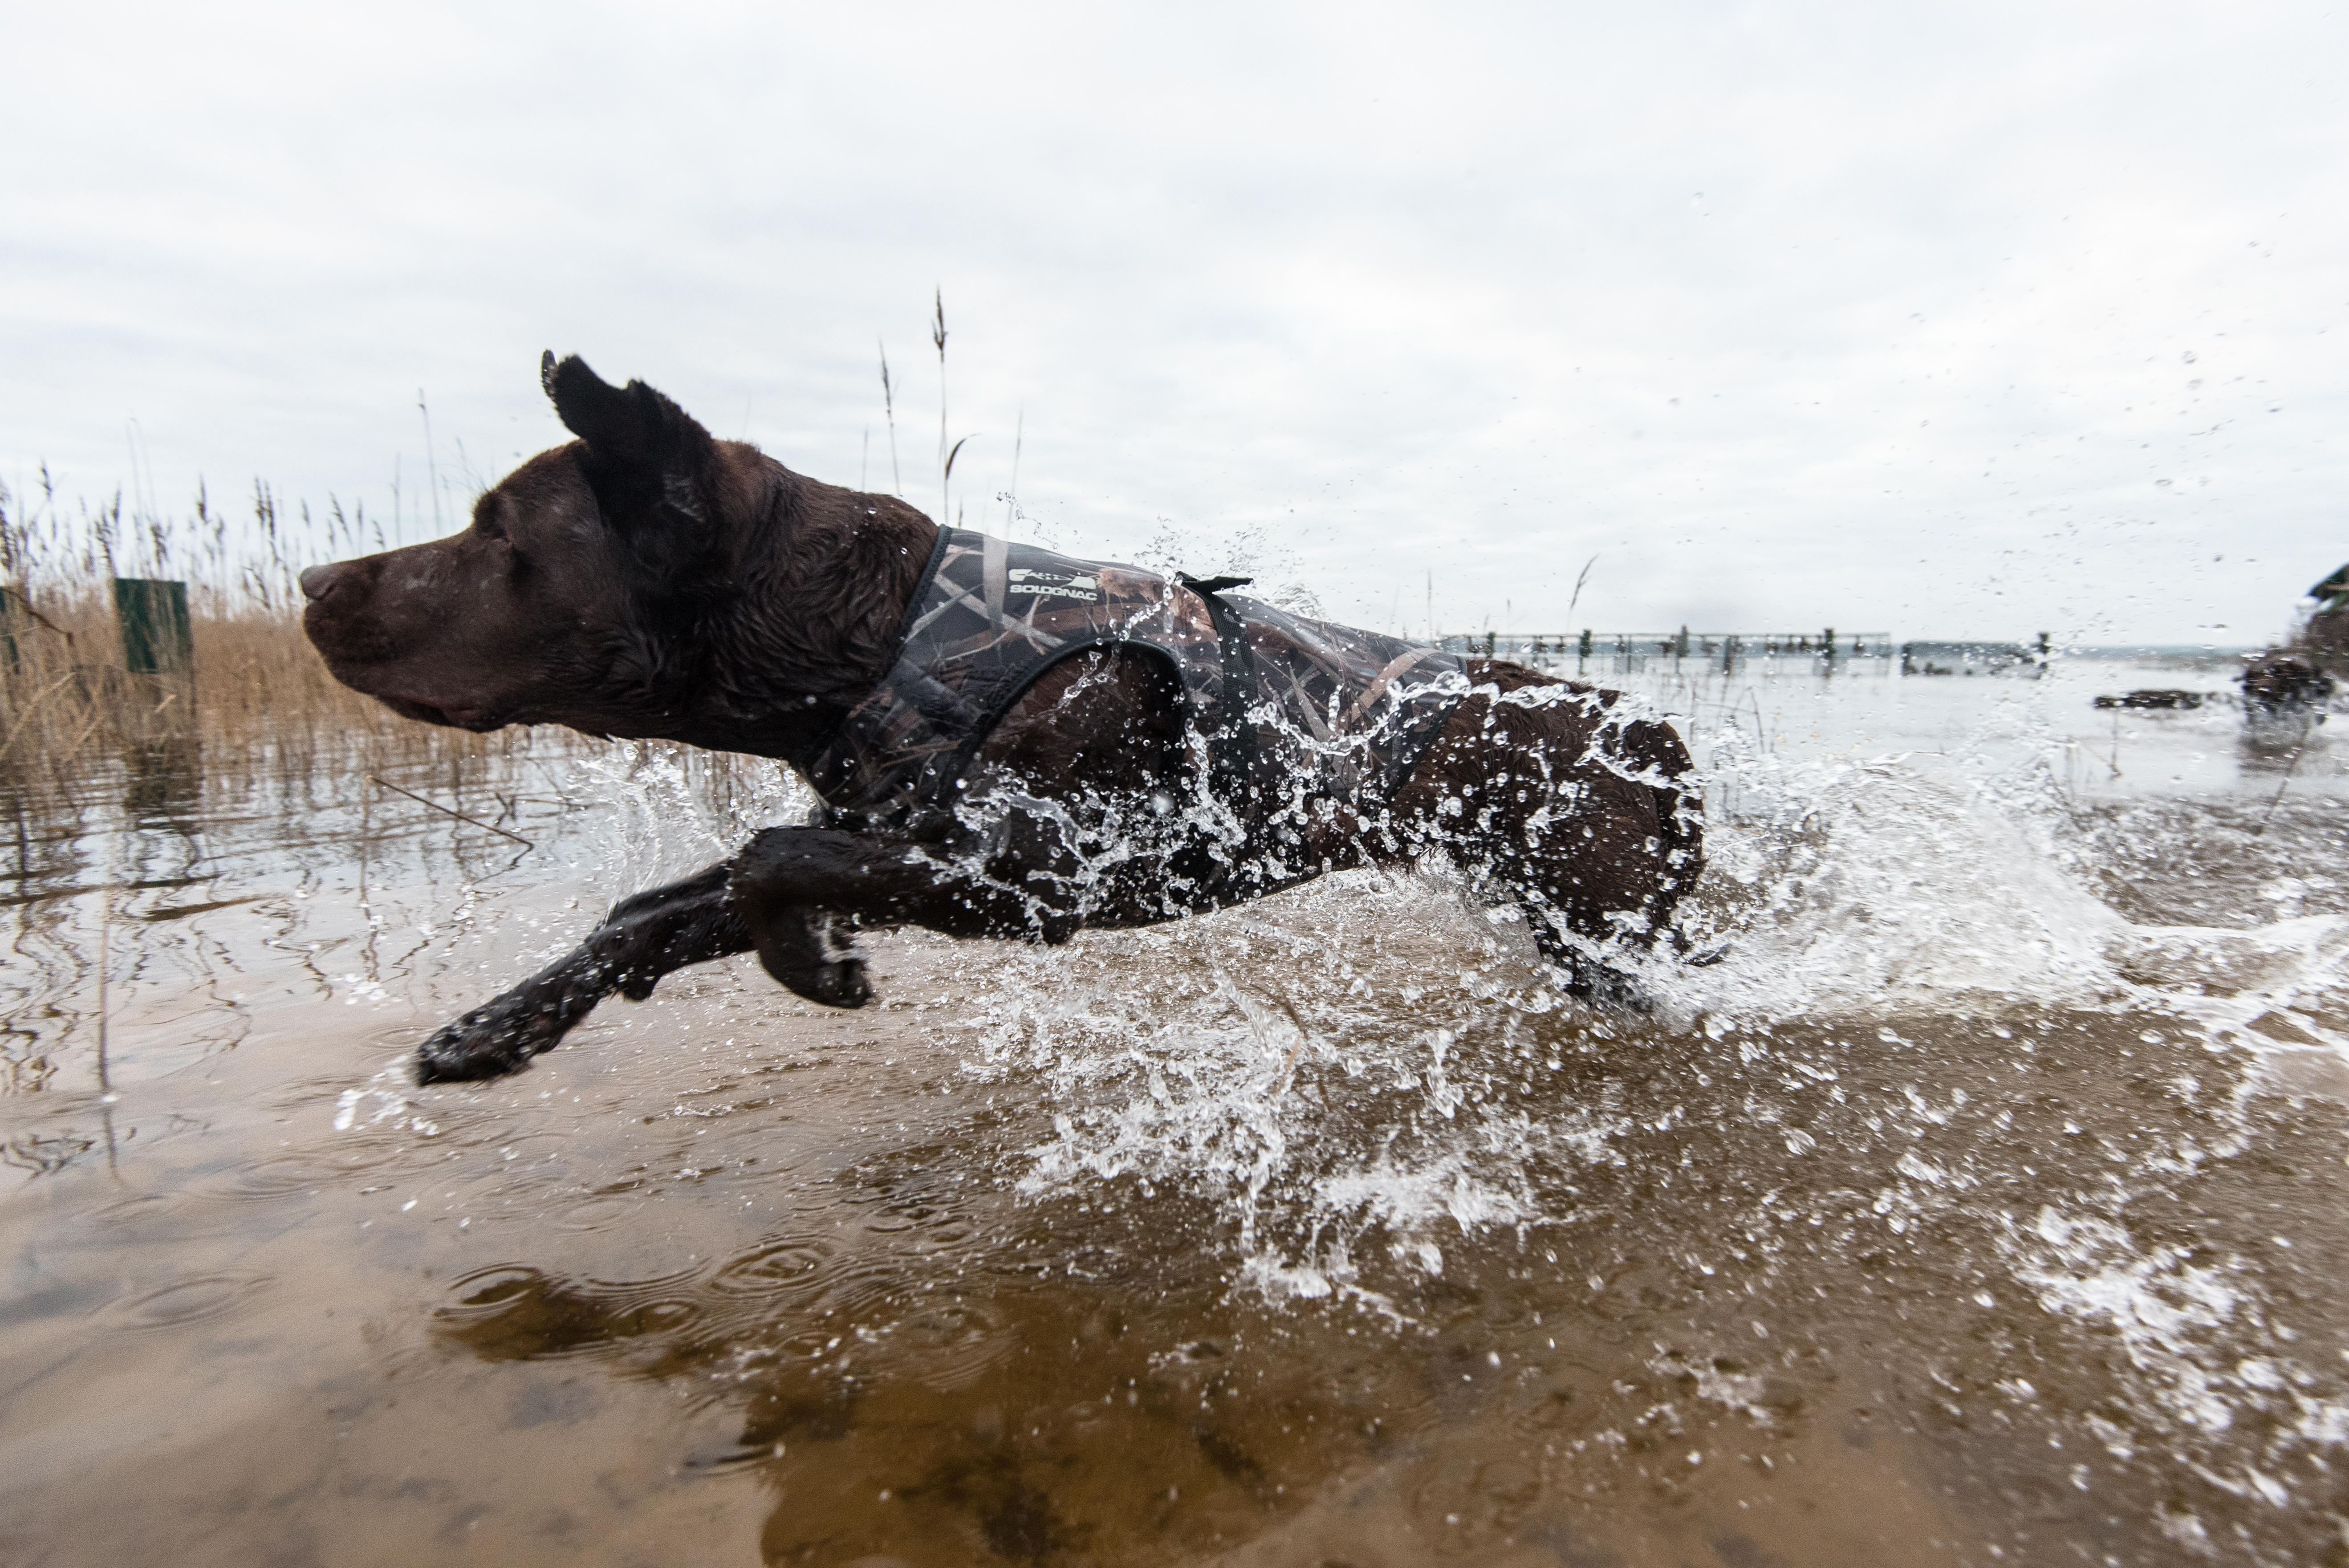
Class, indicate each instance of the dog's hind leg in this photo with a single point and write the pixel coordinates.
(1589, 978)
(644, 938)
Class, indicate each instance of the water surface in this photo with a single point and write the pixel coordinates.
(1982, 1204)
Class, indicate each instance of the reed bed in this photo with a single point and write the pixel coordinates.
(255, 721)
(255, 703)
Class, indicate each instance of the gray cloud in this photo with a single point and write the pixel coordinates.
(1971, 320)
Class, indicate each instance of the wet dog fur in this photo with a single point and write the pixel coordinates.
(648, 581)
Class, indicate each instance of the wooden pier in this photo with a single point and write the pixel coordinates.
(1592, 653)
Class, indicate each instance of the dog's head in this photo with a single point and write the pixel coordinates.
(576, 596)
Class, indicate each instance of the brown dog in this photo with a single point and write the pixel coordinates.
(648, 581)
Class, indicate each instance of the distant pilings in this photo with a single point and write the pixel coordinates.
(1968, 658)
(1594, 652)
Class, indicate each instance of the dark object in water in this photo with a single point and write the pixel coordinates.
(2325, 637)
(2154, 698)
(648, 581)
(2277, 685)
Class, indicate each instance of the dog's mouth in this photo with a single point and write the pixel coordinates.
(452, 715)
(478, 719)
(368, 676)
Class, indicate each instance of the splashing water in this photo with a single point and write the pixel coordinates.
(1374, 1012)
(1985, 1187)
(1366, 1076)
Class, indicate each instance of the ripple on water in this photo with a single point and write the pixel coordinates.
(951, 1345)
(867, 1282)
(512, 1312)
(284, 1175)
(773, 1267)
(494, 1287)
(272, 1178)
(145, 1207)
(402, 1362)
(599, 1213)
(194, 1300)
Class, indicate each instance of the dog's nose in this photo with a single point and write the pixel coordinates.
(317, 582)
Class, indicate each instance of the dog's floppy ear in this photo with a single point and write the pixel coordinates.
(631, 427)
(647, 460)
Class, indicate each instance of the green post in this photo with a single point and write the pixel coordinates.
(13, 607)
(156, 636)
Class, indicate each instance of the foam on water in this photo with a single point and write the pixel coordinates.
(1316, 1062)
(674, 816)
(1880, 886)
(1385, 1104)
(2183, 1325)
(1327, 1069)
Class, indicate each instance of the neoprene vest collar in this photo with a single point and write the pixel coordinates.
(1285, 711)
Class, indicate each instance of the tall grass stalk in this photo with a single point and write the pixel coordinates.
(946, 459)
(432, 464)
(889, 407)
(1011, 497)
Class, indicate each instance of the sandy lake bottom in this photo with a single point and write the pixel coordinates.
(1983, 1203)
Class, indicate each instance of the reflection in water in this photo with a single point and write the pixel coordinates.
(163, 782)
(1987, 1193)
(1920, 1262)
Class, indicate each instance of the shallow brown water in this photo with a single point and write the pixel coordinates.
(1984, 1203)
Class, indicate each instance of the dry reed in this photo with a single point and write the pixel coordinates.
(256, 699)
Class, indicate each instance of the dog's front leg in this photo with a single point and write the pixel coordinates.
(795, 888)
(644, 938)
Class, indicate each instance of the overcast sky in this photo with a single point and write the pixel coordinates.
(1957, 320)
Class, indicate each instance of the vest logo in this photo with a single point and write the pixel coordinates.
(1039, 585)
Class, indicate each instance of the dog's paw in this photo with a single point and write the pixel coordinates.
(1597, 985)
(491, 1041)
(828, 971)
(841, 983)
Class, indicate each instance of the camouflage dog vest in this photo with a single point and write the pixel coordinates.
(1284, 714)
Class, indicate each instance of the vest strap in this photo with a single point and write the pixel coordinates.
(1231, 747)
